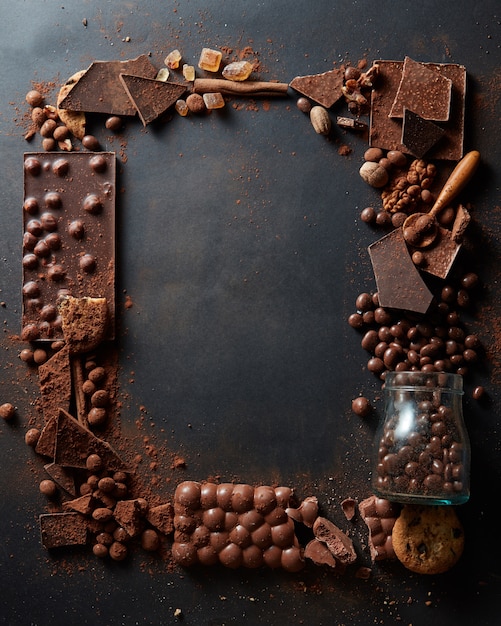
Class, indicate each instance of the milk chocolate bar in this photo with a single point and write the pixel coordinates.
(69, 237)
(235, 525)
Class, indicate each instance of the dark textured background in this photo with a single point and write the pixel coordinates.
(241, 248)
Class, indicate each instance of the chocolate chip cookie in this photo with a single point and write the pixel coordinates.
(428, 539)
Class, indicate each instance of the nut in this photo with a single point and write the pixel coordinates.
(320, 120)
(374, 174)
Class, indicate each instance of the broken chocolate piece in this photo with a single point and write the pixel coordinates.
(162, 518)
(423, 90)
(324, 89)
(351, 123)
(439, 258)
(54, 378)
(399, 283)
(418, 134)
(58, 530)
(84, 504)
(319, 553)
(380, 516)
(69, 237)
(64, 478)
(46, 444)
(99, 90)
(349, 508)
(151, 97)
(338, 542)
(74, 444)
(129, 515)
(386, 132)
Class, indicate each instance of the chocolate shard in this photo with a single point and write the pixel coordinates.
(162, 517)
(99, 90)
(339, 544)
(424, 90)
(151, 97)
(399, 283)
(74, 444)
(319, 553)
(58, 530)
(62, 477)
(129, 515)
(84, 504)
(54, 377)
(439, 258)
(418, 134)
(324, 89)
(46, 445)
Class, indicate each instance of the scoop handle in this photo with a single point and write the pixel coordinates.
(460, 175)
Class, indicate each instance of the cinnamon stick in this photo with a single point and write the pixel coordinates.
(244, 88)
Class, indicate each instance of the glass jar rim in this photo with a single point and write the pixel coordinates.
(445, 381)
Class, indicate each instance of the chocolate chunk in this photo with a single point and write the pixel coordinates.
(339, 544)
(151, 97)
(46, 445)
(82, 193)
(162, 518)
(84, 504)
(324, 89)
(129, 515)
(349, 507)
(399, 283)
(380, 516)
(99, 90)
(386, 132)
(74, 444)
(59, 530)
(423, 90)
(418, 134)
(54, 378)
(439, 258)
(64, 478)
(319, 553)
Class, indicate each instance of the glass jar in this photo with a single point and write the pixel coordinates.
(422, 446)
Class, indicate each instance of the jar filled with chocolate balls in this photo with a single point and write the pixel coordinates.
(422, 445)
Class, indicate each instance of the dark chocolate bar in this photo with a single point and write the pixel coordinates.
(69, 237)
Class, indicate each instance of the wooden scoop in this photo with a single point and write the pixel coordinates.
(420, 229)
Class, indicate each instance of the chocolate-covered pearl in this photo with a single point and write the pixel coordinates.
(91, 143)
(364, 302)
(114, 123)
